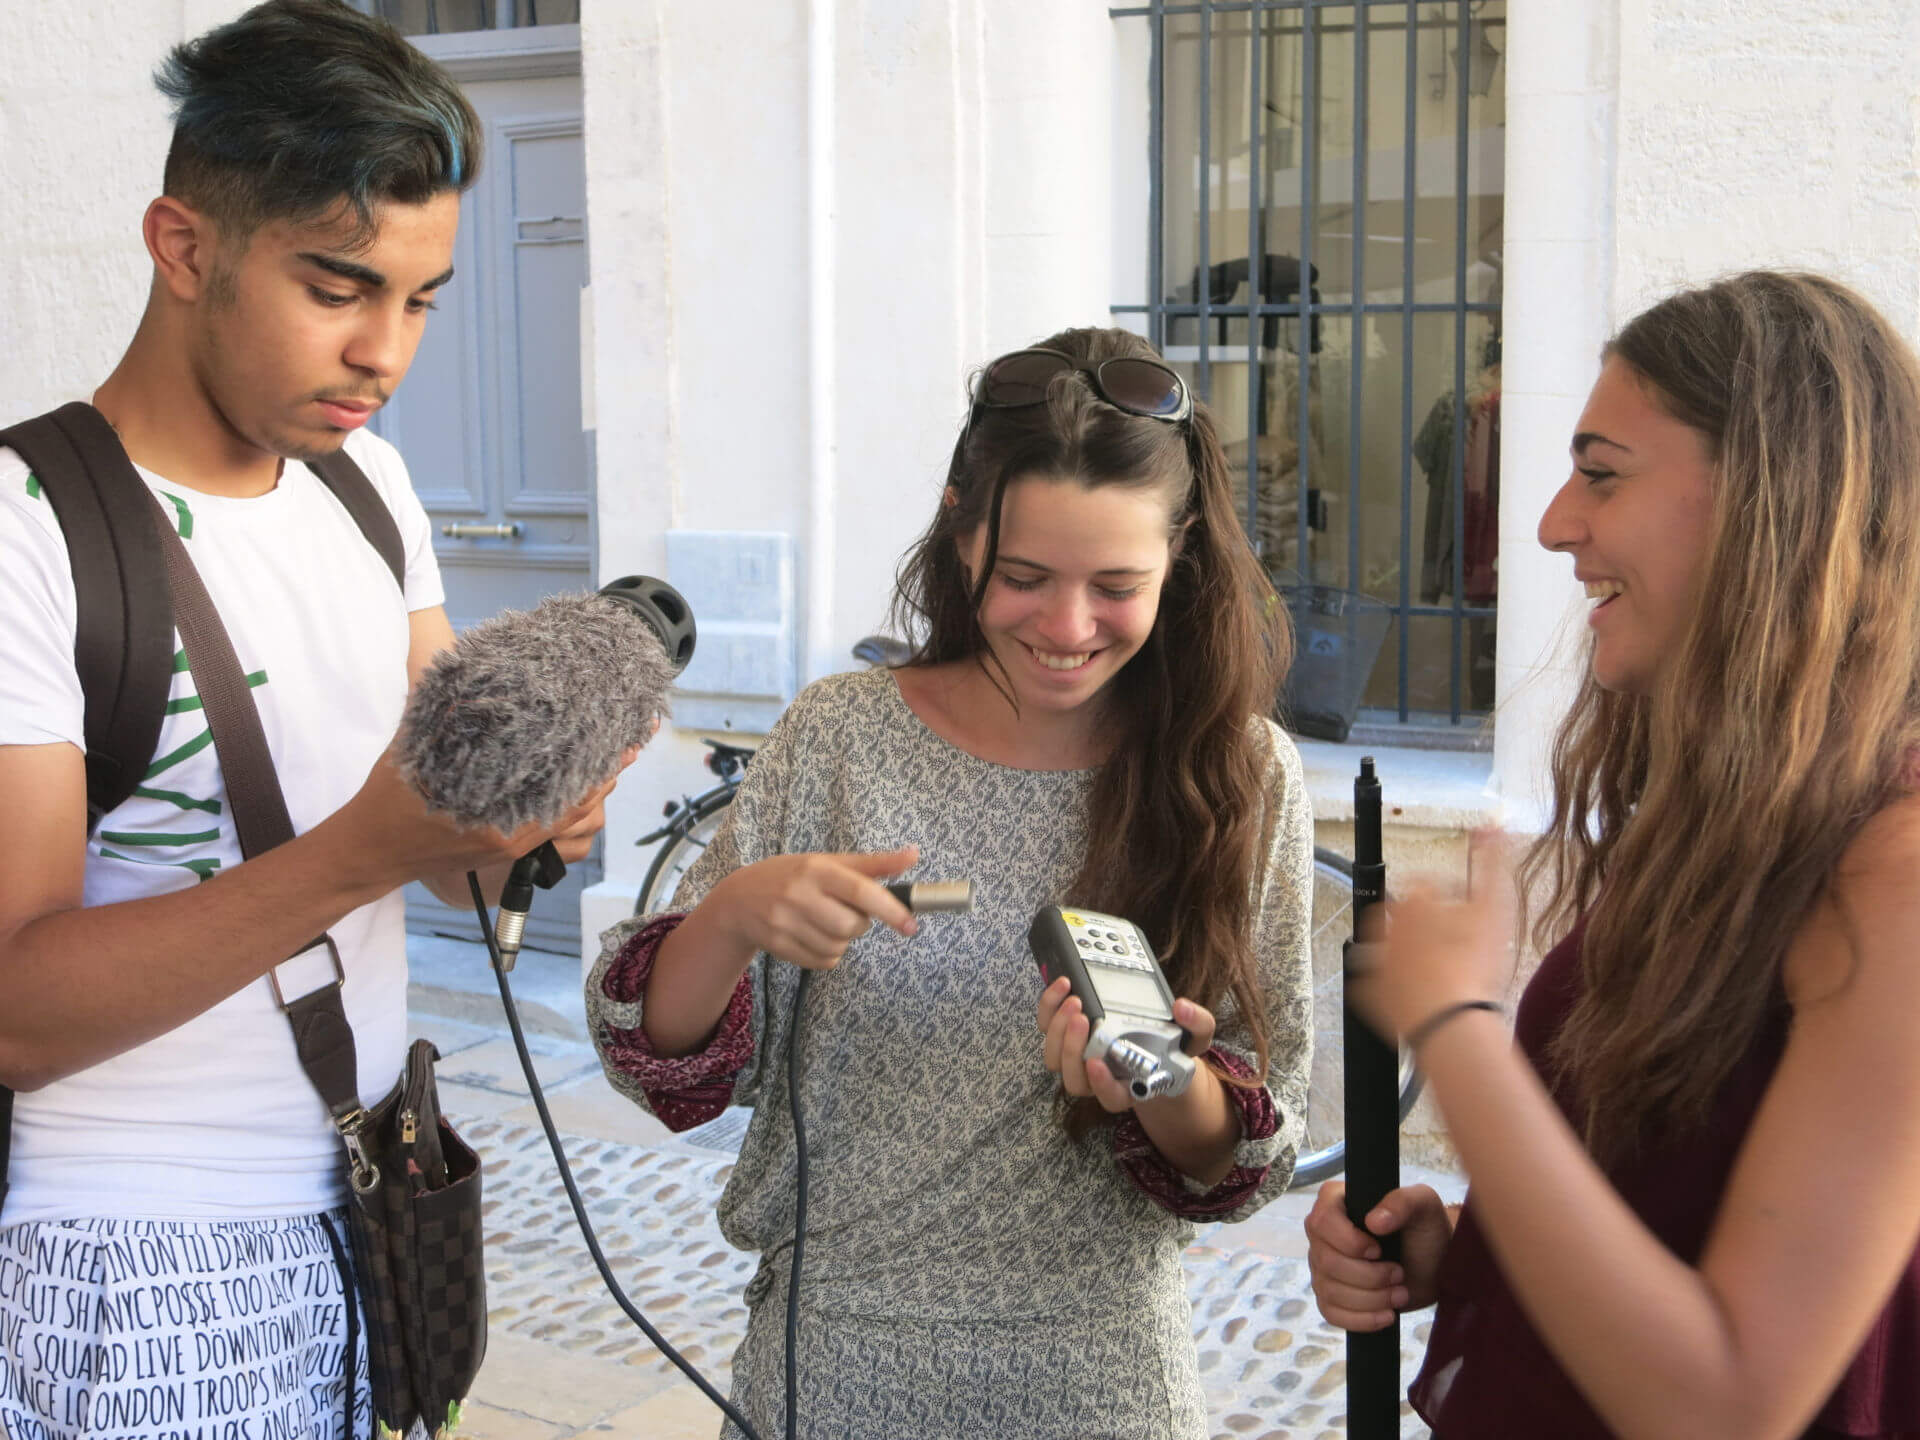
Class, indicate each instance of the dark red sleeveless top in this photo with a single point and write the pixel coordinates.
(1488, 1375)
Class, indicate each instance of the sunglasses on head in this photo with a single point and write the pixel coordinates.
(1131, 383)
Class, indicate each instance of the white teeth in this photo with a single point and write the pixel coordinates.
(1061, 662)
(1603, 589)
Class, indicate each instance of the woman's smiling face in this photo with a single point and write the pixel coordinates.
(1075, 586)
(1636, 516)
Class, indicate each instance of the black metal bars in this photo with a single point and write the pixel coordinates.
(1199, 46)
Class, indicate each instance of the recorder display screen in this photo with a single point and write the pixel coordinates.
(1128, 990)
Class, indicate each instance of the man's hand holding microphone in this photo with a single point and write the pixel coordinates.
(514, 736)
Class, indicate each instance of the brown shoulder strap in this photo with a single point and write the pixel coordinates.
(351, 488)
(321, 1033)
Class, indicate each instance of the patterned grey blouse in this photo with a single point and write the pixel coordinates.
(970, 1270)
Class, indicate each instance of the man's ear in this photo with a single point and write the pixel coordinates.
(185, 247)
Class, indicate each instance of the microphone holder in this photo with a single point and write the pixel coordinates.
(1373, 1135)
(543, 868)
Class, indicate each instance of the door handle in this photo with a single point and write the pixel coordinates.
(466, 530)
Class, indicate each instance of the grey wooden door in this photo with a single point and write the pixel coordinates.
(489, 419)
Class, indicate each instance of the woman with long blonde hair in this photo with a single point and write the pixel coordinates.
(1696, 1184)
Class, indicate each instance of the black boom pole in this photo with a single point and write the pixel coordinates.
(1373, 1138)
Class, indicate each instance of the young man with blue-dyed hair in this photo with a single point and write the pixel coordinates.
(172, 1248)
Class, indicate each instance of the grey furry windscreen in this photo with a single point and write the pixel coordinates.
(532, 709)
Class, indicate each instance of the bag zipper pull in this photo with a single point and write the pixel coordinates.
(362, 1173)
(409, 1127)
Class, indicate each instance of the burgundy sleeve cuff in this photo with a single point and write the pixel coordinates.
(683, 1090)
(1162, 1183)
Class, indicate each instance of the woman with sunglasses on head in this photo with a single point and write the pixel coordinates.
(994, 1227)
(1696, 1184)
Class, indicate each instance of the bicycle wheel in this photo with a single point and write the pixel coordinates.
(1324, 1152)
(678, 852)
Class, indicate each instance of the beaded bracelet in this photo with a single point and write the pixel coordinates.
(1423, 1032)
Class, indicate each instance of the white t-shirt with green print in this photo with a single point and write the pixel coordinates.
(216, 1120)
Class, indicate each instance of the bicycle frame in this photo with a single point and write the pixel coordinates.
(680, 813)
(729, 762)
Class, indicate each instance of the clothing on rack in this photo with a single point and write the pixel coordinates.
(1479, 581)
(1480, 500)
(1277, 496)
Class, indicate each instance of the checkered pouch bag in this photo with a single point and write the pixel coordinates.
(417, 1251)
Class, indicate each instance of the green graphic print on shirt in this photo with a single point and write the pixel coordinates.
(175, 831)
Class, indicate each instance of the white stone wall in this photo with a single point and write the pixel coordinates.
(83, 136)
(1561, 72)
(1769, 132)
(1656, 143)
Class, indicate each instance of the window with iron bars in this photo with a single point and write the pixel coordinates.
(1309, 211)
(448, 17)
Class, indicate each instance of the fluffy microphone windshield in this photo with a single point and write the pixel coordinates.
(532, 709)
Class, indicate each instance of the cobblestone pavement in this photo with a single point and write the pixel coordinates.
(564, 1361)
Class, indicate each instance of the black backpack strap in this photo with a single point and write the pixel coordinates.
(123, 642)
(352, 489)
(123, 610)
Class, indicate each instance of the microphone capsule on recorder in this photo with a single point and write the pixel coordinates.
(924, 897)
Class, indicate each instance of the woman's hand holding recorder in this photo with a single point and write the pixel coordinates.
(1065, 1025)
(1196, 1130)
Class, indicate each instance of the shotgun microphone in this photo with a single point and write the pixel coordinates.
(529, 711)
